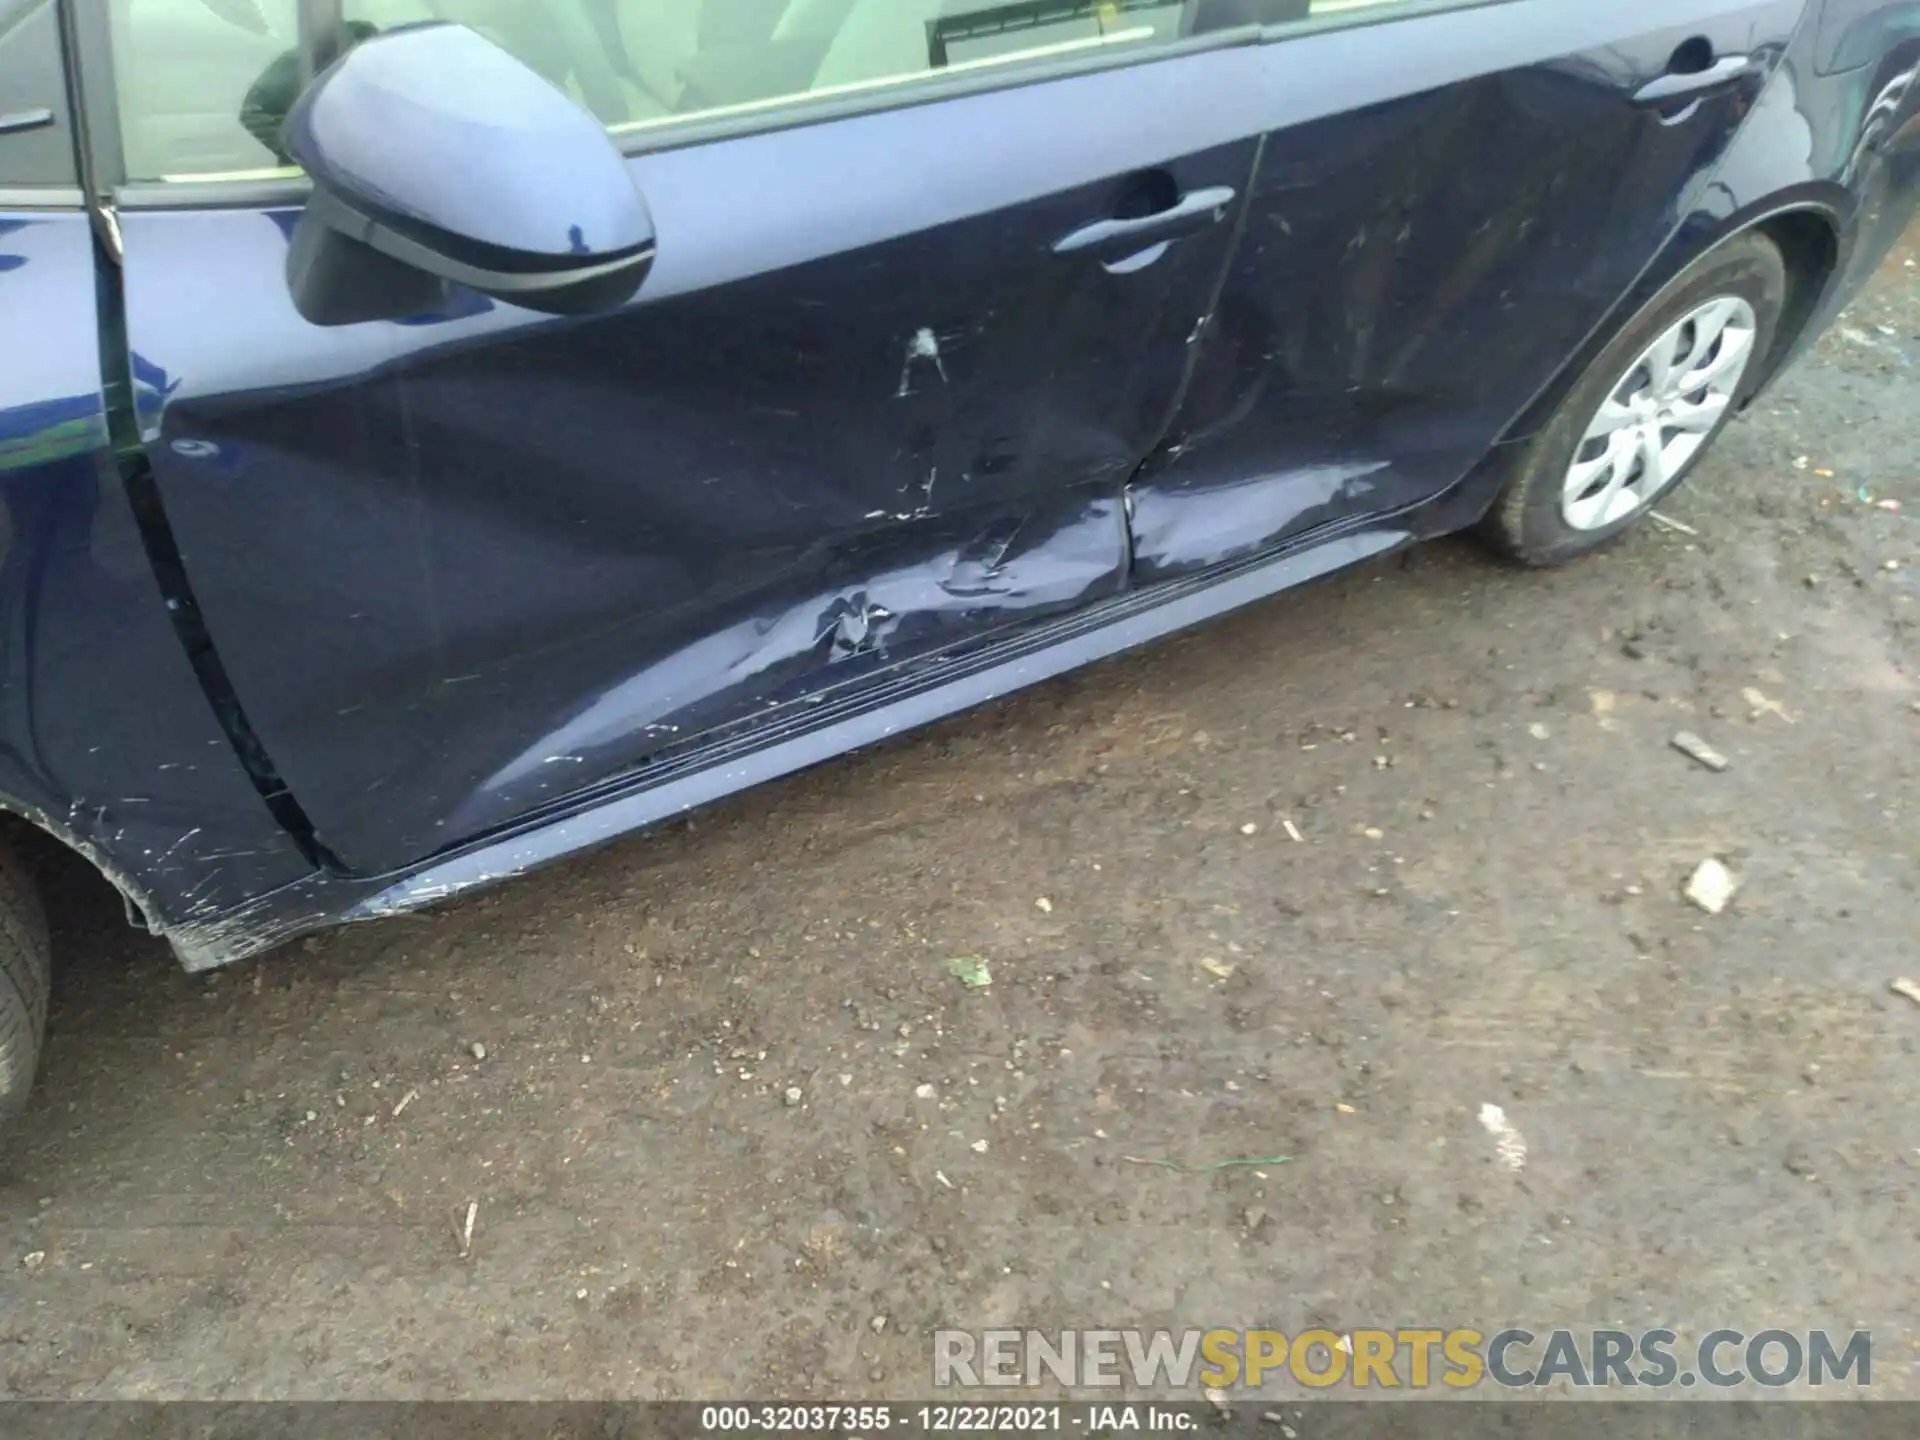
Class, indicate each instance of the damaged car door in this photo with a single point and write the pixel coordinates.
(921, 289)
(1451, 201)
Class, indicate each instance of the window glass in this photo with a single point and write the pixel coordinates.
(204, 84)
(185, 69)
(646, 62)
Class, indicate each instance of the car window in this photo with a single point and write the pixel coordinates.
(204, 84)
(648, 62)
(183, 70)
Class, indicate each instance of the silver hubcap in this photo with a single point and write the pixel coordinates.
(1663, 410)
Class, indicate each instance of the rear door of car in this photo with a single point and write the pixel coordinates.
(1452, 200)
(877, 402)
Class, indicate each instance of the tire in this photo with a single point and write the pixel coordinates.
(25, 974)
(1533, 522)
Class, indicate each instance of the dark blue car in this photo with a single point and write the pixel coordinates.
(437, 436)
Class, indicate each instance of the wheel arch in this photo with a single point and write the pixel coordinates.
(1808, 237)
(41, 830)
(1808, 231)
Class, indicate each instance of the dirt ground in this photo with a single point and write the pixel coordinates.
(738, 1130)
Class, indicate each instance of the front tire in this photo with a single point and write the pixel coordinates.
(1649, 406)
(25, 972)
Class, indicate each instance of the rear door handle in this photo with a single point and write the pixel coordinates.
(1116, 239)
(1686, 85)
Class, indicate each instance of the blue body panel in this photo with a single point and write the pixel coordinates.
(488, 587)
(845, 426)
(106, 739)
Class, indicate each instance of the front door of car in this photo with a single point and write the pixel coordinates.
(1452, 200)
(927, 273)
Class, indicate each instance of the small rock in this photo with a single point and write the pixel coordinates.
(979, 1147)
(1539, 731)
(1249, 829)
(1798, 1161)
(477, 1050)
(1043, 905)
(1374, 832)
(1891, 565)
(34, 1259)
(1712, 886)
(793, 1095)
(1218, 968)
(1694, 748)
(1218, 1399)
(924, 1092)
(877, 1324)
(1906, 987)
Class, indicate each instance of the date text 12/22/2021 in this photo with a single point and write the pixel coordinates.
(949, 1419)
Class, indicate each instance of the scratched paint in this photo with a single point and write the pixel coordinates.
(801, 650)
(922, 349)
(720, 489)
(1180, 530)
(768, 477)
(106, 741)
(1392, 309)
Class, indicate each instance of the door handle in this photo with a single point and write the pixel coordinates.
(1686, 85)
(1195, 211)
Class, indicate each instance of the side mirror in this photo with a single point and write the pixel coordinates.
(437, 158)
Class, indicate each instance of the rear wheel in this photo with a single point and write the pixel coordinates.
(1647, 409)
(24, 982)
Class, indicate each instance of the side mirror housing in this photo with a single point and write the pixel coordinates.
(438, 159)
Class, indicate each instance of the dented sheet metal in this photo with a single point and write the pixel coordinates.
(1180, 530)
(1409, 277)
(972, 579)
(477, 563)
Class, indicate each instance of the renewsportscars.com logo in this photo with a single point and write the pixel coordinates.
(1409, 1359)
